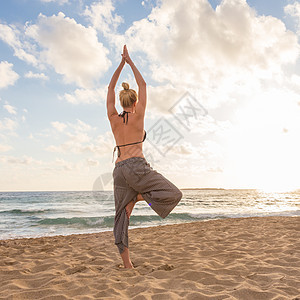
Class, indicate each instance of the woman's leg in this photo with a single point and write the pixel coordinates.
(125, 254)
(126, 260)
(123, 194)
(159, 192)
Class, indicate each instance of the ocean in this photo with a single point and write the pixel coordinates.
(36, 214)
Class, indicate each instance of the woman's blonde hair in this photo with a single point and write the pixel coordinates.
(127, 96)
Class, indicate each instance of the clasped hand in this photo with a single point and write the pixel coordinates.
(125, 56)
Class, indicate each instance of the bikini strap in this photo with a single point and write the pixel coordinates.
(144, 136)
(133, 143)
(122, 114)
(119, 153)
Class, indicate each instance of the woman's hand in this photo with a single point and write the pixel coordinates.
(125, 55)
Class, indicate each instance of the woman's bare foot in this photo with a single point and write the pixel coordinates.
(139, 198)
(129, 207)
(126, 259)
(130, 266)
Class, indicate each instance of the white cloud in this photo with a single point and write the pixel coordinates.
(59, 126)
(222, 53)
(102, 17)
(60, 2)
(67, 166)
(92, 162)
(196, 46)
(5, 148)
(13, 37)
(72, 49)
(86, 96)
(161, 98)
(294, 11)
(81, 126)
(78, 127)
(184, 148)
(10, 109)
(216, 169)
(210, 149)
(77, 137)
(25, 160)
(209, 125)
(106, 21)
(80, 138)
(7, 74)
(30, 74)
(8, 124)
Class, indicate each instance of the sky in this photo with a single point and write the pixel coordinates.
(223, 84)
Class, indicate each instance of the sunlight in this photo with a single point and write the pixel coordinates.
(263, 149)
(278, 189)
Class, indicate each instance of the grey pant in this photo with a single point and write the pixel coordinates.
(132, 176)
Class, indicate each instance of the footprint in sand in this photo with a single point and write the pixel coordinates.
(166, 267)
(74, 270)
(146, 268)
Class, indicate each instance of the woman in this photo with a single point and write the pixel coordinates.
(134, 178)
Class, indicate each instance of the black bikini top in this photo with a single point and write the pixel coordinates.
(123, 114)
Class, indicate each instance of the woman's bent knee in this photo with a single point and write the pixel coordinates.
(179, 195)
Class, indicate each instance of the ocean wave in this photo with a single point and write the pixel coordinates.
(89, 222)
(26, 211)
(108, 221)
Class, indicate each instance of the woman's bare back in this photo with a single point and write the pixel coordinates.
(127, 132)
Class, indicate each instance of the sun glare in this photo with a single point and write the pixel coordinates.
(264, 148)
(278, 189)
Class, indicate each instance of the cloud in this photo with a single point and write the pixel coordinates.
(148, 3)
(5, 148)
(92, 162)
(7, 74)
(86, 96)
(80, 138)
(161, 98)
(72, 49)
(25, 160)
(223, 53)
(65, 165)
(8, 125)
(216, 169)
(59, 126)
(106, 21)
(184, 148)
(60, 2)
(30, 74)
(196, 46)
(10, 109)
(209, 125)
(102, 17)
(294, 11)
(78, 127)
(15, 39)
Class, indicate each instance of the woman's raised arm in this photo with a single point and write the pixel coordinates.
(142, 92)
(116, 75)
(111, 98)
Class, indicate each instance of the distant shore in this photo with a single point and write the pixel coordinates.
(202, 189)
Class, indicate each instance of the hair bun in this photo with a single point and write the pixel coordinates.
(125, 85)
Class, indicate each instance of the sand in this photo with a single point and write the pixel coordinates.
(245, 258)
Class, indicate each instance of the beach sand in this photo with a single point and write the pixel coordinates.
(244, 258)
